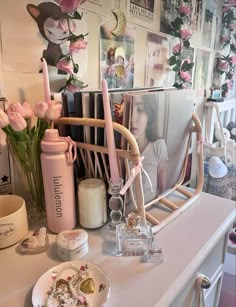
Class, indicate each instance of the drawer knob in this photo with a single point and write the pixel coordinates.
(205, 282)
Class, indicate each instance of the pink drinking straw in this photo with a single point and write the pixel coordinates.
(47, 92)
(115, 177)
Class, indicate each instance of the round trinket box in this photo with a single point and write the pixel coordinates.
(72, 244)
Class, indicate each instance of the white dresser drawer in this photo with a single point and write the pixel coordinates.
(212, 268)
(214, 260)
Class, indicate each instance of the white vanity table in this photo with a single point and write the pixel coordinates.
(193, 243)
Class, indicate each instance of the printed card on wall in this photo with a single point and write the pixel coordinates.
(201, 72)
(210, 24)
(101, 7)
(34, 33)
(143, 13)
(22, 36)
(169, 11)
(187, 54)
(157, 67)
(217, 77)
(117, 55)
(197, 20)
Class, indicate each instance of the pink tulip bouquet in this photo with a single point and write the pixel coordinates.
(24, 144)
(181, 65)
(76, 43)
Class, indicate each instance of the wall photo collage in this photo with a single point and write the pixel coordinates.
(202, 19)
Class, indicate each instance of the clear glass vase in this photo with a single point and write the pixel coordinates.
(28, 181)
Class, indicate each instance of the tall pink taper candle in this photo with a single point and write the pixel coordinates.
(115, 178)
(47, 92)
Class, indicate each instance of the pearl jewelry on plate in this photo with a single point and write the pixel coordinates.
(77, 294)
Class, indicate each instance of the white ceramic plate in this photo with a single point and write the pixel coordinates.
(46, 281)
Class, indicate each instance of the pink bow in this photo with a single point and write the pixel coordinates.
(134, 172)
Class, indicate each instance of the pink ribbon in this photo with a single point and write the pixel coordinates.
(134, 172)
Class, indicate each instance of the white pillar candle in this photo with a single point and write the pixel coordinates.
(92, 203)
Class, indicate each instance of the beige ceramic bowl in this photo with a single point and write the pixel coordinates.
(13, 220)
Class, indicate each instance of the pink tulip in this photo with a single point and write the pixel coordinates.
(27, 110)
(75, 46)
(69, 6)
(54, 110)
(185, 76)
(4, 120)
(40, 109)
(15, 107)
(186, 10)
(17, 121)
(185, 34)
(176, 49)
(65, 65)
(24, 109)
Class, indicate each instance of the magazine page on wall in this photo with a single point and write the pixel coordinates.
(141, 12)
(187, 54)
(201, 72)
(102, 7)
(210, 24)
(169, 11)
(161, 122)
(117, 55)
(197, 20)
(157, 65)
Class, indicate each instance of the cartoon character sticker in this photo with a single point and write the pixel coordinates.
(53, 27)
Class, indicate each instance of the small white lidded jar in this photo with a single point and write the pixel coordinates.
(72, 244)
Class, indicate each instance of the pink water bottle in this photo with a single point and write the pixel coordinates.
(58, 180)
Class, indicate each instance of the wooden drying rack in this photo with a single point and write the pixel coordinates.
(94, 157)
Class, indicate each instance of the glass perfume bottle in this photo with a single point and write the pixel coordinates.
(133, 238)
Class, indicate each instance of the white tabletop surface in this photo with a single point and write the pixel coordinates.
(132, 283)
